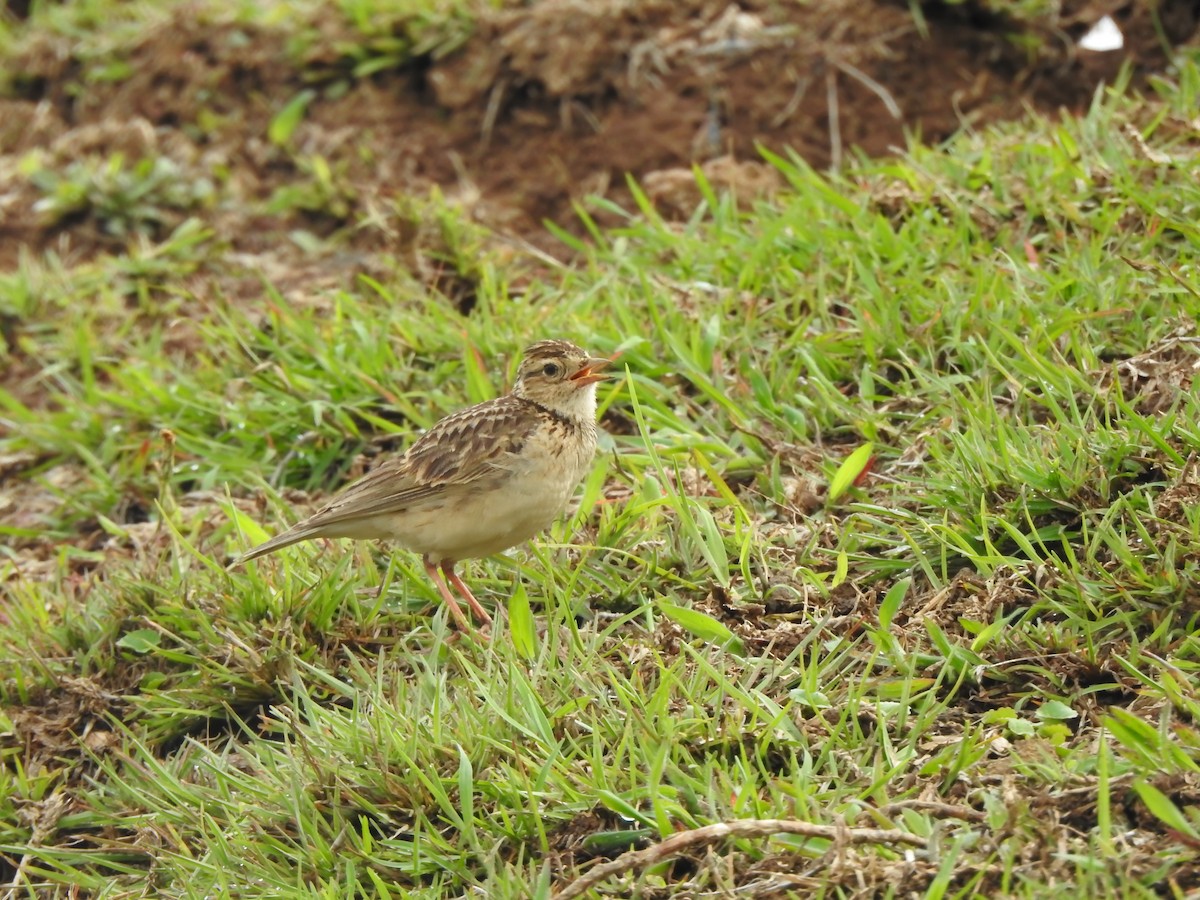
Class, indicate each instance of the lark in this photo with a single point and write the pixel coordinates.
(481, 480)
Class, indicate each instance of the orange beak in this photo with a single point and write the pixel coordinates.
(589, 374)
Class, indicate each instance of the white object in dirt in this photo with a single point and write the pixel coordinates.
(1104, 35)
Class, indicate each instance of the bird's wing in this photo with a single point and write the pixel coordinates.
(461, 450)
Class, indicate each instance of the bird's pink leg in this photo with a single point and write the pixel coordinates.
(455, 610)
(480, 612)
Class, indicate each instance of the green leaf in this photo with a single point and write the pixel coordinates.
(852, 467)
(381, 888)
(938, 638)
(622, 807)
(1132, 731)
(110, 527)
(520, 625)
(989, 632)
(708, 540)
(288, 119)
(143, 640)
(898, 688)
(1021, 727)
(365, 835)
(814, 700)
(892, 601)
(466, 791)
(612, 842)
(1055, 732)
(1163, 809)
(702, 626)
(1145, 741)
(1056, 709)
(842, 569)
(255, 534)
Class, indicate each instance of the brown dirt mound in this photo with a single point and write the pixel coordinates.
(544, 105)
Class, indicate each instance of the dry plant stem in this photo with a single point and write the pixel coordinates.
(19, 876)
(874, 86)
(944, 810)
(742, 828)
(835, 127)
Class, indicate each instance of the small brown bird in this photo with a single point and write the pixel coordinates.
(479, 481)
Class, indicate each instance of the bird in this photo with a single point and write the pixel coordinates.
(479, 481)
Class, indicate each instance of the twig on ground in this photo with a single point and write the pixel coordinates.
(742, 828)
(835, 127)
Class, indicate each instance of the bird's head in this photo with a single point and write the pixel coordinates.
(561, 376)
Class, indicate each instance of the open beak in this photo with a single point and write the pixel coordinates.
(590, 373)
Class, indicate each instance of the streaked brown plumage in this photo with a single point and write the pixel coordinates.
(479, 481)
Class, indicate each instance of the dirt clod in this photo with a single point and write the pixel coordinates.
(545, 104)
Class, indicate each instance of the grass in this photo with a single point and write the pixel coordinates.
(987, 641)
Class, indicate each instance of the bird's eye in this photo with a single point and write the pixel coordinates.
(550, 370)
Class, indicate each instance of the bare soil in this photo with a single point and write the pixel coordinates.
(543, 107)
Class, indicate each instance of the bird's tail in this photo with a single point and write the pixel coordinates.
(286, 539)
